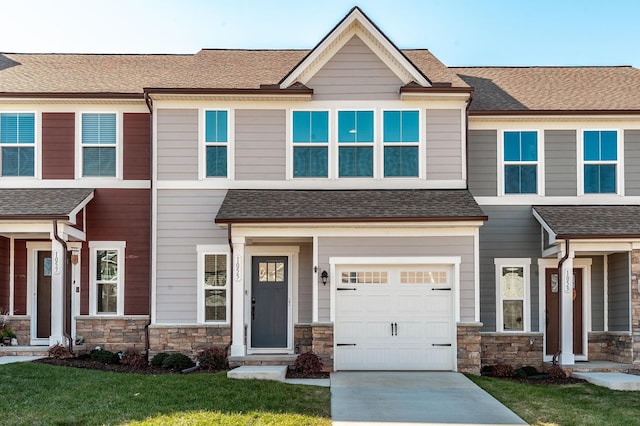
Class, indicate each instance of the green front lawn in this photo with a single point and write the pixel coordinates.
(39, 394)
(577, 404)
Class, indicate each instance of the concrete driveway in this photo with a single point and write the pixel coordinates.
(415, 398)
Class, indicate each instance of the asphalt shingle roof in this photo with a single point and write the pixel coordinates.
(592, 221)
(41, 203)
(255, 206)
(553, 88)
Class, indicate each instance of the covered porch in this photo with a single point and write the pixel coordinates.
(588, 283)
(41, 236)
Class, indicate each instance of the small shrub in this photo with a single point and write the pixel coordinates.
(488, 370)
(134, 358)
(213, 359)
(556, 372)
(58, 351)
(177, 362)
(526, 371)
(308, 363)
(503, 370)
(158, 359)
(105, 357)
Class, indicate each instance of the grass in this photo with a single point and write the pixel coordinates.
(564, 405)
(39, 394)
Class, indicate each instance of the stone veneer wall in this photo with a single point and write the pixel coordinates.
(611, 346)
(469, 348)
(512, 349)
(322, 344)
(112, 334)
(303, 338)
(21, 325)
(635, 306)
(187, 339)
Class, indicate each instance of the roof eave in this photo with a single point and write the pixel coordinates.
(351, 219)
(552, 112)
(72, 95)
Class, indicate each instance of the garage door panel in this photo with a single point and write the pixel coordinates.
(440, 331)
(377, 330)
(377, 303)
(349, 331)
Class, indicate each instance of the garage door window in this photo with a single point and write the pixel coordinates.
(423, 277)
(365, 277)
(512, 276)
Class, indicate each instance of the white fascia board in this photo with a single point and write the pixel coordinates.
(356, 23)
(82, 205)
(552, 235)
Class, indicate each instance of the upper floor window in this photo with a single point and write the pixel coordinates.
(520, 162)
(99, 142)
(355, 143)
(310, 143)
(17, 144)
(600, 155)
(401, 138)
(216, 143)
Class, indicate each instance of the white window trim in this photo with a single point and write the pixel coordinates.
(292, 145)
(203, 250)
(524, 263)
(202, 144)
(37, 144)
(540, 170)
(94, 246)
(420, 143)
(118, 145)
(619, 162)
(374, 145)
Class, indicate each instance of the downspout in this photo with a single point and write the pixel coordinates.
(230, 296)
(554, 361)
(149, 102)
(65, 290)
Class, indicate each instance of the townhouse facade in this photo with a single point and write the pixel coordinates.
(356, 200)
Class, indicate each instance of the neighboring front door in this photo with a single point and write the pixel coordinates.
(551, 310)
(43, 295)
(269, 302)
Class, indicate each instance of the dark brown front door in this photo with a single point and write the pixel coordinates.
(43, 295)
(551, 310)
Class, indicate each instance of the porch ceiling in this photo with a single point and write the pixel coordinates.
(590, 222)
(44, 203)
(272, 206)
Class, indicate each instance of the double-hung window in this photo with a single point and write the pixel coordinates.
(512, 286)
(17, 144)
(600, 155)
(355, 143)
(216, 143)
(99, 144)
(310, 137)
(107, 277)
(401, 138)
(213, 286)
(520, 162)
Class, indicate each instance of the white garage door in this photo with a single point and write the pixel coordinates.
(394, 317)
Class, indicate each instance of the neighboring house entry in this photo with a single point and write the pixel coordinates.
(394, 317)
(43, 295)
(551, 310)
(269, 302)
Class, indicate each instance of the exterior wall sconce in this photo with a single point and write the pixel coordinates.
(324, 277)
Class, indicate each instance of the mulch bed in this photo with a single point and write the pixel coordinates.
(546, 381)
(294, 374)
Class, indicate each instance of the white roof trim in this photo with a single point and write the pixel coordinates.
(356, 23)
(552, 235)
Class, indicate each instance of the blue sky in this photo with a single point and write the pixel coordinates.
(458, 32)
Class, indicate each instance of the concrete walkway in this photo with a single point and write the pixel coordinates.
(415, 398)
(9, 359)
(611, 380)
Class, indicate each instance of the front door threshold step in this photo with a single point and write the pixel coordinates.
(259, 372)
(615, 381)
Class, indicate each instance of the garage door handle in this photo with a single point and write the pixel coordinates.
(441, 344)
(345, 344)
(343, 289)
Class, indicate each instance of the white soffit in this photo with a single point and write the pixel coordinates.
(355, 24)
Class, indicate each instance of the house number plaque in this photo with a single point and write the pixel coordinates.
(56, 262)
(237, 268)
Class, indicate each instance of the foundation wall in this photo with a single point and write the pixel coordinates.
(112, 334)
(469, 348)
(516, 350)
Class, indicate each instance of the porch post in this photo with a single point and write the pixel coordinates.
(567, 357)
(57, 292)
(238, 347)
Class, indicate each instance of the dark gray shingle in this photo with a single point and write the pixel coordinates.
(591, 221)
(44, 203)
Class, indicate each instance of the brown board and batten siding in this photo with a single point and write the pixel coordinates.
(185, 219)
(483, 164)
(618, 287)
(20, 277)
(121, 215)
(444, 144)
(382, 247)
(355, 73)
(5, 250)
(560, 163)
(58, 145)
(260, 144)
(631, 162)
(177, 151)
(137, 146)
